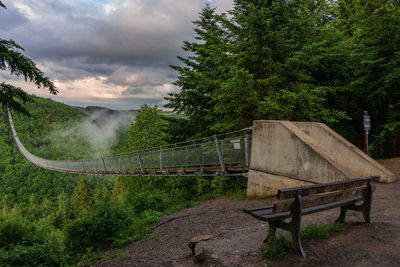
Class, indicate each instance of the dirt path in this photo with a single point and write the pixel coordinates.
(238, 236)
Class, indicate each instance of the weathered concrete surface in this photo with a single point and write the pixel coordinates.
(258, 187)
(345, 152)
(287, 154)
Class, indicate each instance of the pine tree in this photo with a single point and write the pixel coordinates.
(148, 130)
(262, 61)
(274, 48)
(202, 72)
(118, 191)
(82, 198)
(4, 204)
(63, 207)
(102, 194)
(373, 31)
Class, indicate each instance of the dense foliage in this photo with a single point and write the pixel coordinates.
(264, 59)
(50, 218)
(324, 61)
(148, 130)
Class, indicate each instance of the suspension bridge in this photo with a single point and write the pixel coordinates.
(225, 155)
(273, 154)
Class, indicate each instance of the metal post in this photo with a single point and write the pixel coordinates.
(246, 149)
(83, 165)
(104, 164)
(186, 156)
(221, 160)
(140, 162)
(367, 126)
(202, 157)
(120, 162)
(172, 156)
(161, 160)
(66, 164)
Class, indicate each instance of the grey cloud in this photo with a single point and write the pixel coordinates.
(133, 91)
(135, 76)
(10, 19)
(72, 40)
(136, 34)
(125, 103)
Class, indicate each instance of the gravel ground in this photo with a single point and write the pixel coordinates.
(238, 236)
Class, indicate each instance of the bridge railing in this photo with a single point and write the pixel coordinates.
(216, 151)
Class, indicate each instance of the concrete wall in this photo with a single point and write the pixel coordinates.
(288, 154)
(345, 152)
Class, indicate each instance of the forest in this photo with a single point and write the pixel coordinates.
(50, 218)
(325, 61)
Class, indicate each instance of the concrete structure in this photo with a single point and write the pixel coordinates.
(288, 154)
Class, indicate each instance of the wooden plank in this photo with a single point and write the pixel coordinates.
(262, 212)
(237, 168)
(250, 210)
(320, 199)
(309, 210)
(323, 188)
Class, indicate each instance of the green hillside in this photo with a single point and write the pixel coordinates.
(19, 179)
(51, 218)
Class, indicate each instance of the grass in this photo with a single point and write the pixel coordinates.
(320, 231)
(278, 248)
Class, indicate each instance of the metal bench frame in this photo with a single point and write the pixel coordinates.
(277, 220)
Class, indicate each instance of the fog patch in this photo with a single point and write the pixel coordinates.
(101, 126)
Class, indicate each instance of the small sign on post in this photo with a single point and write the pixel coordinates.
(367, 128)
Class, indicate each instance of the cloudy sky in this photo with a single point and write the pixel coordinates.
(113, 53)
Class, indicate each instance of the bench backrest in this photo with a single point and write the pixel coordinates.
(320, 194)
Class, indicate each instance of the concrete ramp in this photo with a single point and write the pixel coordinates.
(288, 154)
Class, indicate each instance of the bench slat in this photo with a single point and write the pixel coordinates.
(323, 188)
(250, 210)
(263, 212)
(320, 199)
(309, 210)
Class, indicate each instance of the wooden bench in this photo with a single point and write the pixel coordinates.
(297, 201)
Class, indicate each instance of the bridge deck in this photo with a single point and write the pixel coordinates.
(225, 155)
(206, 171)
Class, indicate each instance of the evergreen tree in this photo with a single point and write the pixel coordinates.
(4, 204)
(201, 73)
(82, 198)
(102, 194)
(62, 207)
(118, 191)
(12, 59)
(275, 44)
(260, 62)
(373, 31)
(148, 130)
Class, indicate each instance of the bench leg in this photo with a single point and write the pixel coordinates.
(342, 216)
(365, 208)
(271, 231)
(295, 224)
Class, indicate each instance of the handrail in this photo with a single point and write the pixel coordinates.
(218, 156)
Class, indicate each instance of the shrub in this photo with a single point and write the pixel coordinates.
(155, 200)
(45, 254)
(97, 228)
(278, 248)
(13, 232)
(24, 243)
